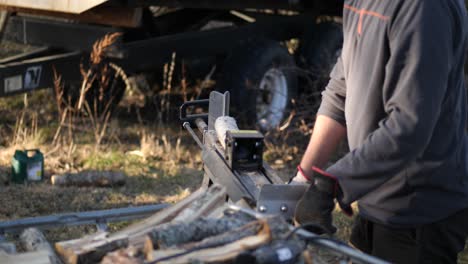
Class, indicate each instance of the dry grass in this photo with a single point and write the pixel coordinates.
(167, 171)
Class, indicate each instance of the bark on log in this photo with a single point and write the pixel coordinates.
(33, 240)
(200, 205)
(249, 229)
(90, 178)
(89, 249)
(78, 250)
(212, 255)
(162, 216)
(181, 233)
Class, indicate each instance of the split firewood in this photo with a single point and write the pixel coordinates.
(33, 240)
(181, 233)
(214, 197)
(90, 178)
(78, 250)
(36, 257)
(189, 209)
(123, 256)
(89, 249)
(212, 255)
(165, 215)
(249, 229)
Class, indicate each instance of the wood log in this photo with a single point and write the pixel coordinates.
(90, 178)
(212, 255)
(214, 197)
(123, 256)
(33, 240)
(199, 204)
(249, 229)
(75, 251)
(165, 215)
(181, 233)
(36, 257)
(90, 249)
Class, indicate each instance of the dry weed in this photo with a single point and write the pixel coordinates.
(102, 45)
(26, 132)
(90, 113)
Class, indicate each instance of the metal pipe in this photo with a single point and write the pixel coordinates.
(80, 218)
(186, 125)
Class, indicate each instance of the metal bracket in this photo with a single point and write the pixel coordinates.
(219, 106)
(279, 199)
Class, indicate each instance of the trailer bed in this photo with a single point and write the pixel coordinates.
(68, 6)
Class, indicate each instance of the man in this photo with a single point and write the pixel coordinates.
(397, 92)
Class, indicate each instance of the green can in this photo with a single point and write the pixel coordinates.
(27, 165)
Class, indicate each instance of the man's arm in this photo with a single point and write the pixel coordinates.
(329, 129)
(325, 138)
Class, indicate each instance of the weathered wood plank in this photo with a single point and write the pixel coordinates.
(32, 239)
(36, 257)
(90, 178)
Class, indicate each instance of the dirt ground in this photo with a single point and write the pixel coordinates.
(161, 164)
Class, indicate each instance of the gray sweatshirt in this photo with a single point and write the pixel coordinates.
(399, 89)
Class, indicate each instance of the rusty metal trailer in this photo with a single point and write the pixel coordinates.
(241, 37)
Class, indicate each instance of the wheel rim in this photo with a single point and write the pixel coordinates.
(272, 99)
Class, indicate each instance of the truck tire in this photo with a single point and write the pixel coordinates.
(320, 48)
(261, 79)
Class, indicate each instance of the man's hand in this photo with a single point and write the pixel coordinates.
(317, 203)
(300, 177)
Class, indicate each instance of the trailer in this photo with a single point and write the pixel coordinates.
(244, 39)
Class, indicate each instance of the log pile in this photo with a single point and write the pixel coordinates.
(197, 229)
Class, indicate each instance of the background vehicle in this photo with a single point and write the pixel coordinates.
(244, 40)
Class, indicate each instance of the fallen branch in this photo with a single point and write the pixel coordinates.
(90, 178)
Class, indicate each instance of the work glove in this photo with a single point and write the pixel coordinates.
(316, 205)
(300, 177)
